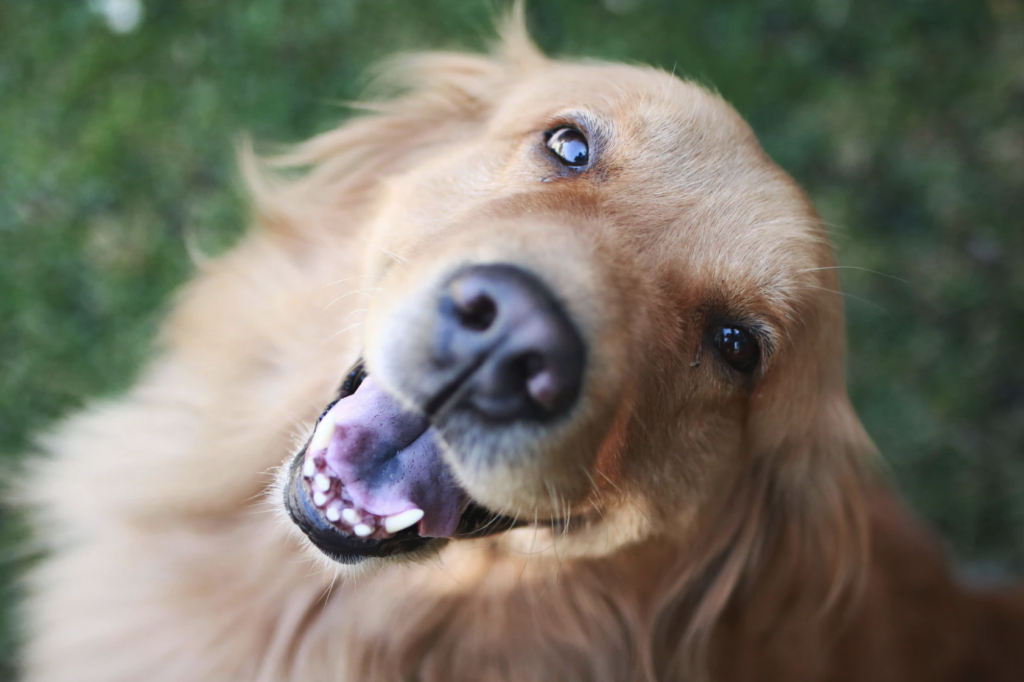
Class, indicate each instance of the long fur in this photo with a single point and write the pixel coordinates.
(169, 561)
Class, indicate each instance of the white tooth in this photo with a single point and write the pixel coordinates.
(322, 482)
(351, 516)
(323, 434)
(308, 469)
(332, 514)
(397, 522)
(319, 499)
(362, 530)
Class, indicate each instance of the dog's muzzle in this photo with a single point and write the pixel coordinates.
(373, 480)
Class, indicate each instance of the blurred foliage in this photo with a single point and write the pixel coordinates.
(904, 120)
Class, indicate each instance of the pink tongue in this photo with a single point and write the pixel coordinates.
(389, 461)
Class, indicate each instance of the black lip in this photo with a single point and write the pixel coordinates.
(338, 546)
(476, 521)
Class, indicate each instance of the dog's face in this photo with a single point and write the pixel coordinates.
(596, 306)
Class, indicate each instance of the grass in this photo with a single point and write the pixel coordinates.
(905, 122)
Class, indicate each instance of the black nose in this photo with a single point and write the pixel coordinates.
(508, 345)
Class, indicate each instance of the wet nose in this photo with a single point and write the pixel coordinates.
(508, 344)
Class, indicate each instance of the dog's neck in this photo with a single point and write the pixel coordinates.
(460, 611)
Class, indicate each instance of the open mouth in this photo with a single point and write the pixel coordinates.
(372, 480)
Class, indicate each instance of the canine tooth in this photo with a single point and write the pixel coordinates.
(332, 514)
(397, 522)
(362, 530)
(322, 482)
(319, 499)
(323, 434)
(308, 469)
(351, 516)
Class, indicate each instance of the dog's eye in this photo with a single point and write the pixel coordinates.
(570, 146)
(738, 347)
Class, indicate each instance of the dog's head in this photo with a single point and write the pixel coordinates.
(596, 305)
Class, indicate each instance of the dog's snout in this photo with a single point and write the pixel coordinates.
(509, 345)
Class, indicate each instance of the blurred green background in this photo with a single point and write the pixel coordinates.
(903, 119)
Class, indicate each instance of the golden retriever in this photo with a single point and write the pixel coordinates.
(592, 421)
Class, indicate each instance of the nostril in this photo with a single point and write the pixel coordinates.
(540, 382)
(533, 364)
(475, 309)
(542, 388)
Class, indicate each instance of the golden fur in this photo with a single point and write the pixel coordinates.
(718, 529)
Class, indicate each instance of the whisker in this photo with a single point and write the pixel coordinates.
(593, 483)
(494, 519)
(354, 291)
(567, 516)
(852, 297)
(341, 331)
(515, 519)
(346, 279)
(638, 508)
(395, 257)
(854, 267)
(353, 312)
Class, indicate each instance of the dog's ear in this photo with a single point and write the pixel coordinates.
(815, 459)
(417, 104)
(813, 492)
(792, 536)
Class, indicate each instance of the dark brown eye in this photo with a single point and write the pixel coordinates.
(570, 146)
(738, 347)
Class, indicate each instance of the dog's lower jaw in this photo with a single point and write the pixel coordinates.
(320, 505)
(342, 548)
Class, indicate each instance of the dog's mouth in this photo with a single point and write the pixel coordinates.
(372, 480)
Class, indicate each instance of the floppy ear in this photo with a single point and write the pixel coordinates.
(815, 550)
(816, 459)
(425, 101)
(823, 458)
(792, 538)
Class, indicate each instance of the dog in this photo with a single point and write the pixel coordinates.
(553, 354)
